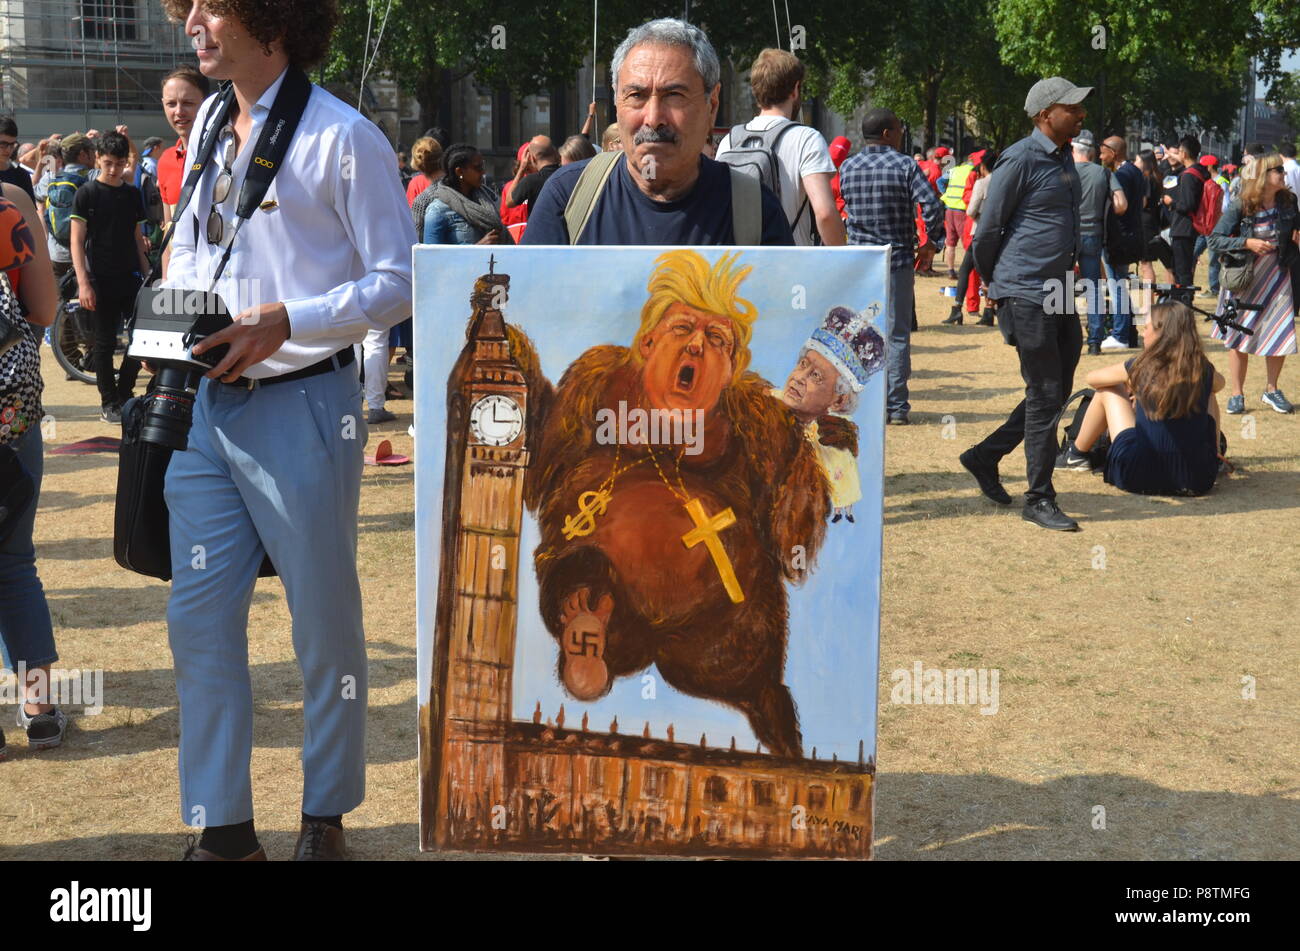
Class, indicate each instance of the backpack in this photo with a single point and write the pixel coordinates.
(754, 154)
(1100, 449)
(58, 205)
(151, 196)
(746, 200)
(1211, 204)
(20, 369)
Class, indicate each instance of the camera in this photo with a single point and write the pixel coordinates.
(1186, 294)
(168, 322)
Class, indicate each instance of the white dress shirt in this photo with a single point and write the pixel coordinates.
(335, 247)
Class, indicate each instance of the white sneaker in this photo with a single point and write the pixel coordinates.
(411, 430)
(1110, 343)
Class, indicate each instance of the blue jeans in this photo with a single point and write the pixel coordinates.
(1090, 271)
(898, 350)
(1121, 304)
(276, 470)
(25, 627)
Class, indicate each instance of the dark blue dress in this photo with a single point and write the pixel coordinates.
(1167, 456)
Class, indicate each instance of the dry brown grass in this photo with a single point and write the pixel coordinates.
(1120, 687)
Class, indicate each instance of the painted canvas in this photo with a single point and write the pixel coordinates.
(648, 517)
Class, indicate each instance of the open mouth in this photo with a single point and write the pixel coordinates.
(686, 377)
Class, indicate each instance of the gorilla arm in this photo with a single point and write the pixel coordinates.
(540, 392)
(796, 496)
(563, 432)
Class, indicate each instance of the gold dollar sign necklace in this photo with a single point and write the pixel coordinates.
(593, 503)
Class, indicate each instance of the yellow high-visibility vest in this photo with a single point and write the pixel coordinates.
(957, 186)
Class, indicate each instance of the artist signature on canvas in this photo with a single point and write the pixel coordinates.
(836, 825)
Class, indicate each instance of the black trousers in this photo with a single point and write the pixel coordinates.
(1048, 346)
(114, 302)
(1184, 260)
(963, 277)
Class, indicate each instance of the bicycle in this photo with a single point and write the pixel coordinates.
(73, 341)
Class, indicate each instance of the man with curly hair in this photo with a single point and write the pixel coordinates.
(274, 461)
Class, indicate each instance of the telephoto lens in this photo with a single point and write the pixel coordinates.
(169, 410)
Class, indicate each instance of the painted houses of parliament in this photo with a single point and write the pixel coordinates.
(491, 782)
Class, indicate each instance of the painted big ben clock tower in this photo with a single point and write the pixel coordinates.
(487, 456)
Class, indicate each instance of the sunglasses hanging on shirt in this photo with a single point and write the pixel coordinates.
(216, 227)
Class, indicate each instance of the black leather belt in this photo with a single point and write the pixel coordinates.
(338, 361)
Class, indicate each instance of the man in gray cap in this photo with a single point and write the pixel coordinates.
(1026, 245)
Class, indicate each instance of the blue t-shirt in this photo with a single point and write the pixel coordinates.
(625, 215)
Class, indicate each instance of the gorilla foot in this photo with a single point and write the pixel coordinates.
(585, 675)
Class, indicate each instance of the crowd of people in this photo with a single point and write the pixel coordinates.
(335, 275)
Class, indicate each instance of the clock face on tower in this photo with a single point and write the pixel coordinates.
(496, 420)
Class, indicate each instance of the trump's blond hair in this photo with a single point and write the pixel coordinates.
(685, 277)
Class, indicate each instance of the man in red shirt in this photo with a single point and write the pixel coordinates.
(183, 91)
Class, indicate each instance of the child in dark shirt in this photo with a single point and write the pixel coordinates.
(111, 257)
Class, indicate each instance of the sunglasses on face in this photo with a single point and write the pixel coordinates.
(8, 145)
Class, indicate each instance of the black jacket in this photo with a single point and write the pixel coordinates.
(1186, 196)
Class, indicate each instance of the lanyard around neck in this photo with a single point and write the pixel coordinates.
(268, 154)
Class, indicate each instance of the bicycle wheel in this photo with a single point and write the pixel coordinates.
(72, 352)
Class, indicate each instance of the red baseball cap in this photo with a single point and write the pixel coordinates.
(977, 157)
(519, 156)
(940, 152)
(1208, 160)
(840, 148)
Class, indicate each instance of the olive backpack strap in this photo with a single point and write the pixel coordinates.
(577, 212)
(746, 209)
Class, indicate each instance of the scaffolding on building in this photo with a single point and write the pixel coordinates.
(86, 56)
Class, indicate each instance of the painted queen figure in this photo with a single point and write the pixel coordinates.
(822, 392)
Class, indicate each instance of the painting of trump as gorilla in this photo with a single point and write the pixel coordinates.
(650, 554)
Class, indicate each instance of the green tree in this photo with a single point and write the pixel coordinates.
(427, 46)
(922, 58)
(507, 44)
(1284, 95)
(1148, 57)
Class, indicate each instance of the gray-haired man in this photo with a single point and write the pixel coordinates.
(665, 191)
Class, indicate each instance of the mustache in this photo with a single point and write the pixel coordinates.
(647, 136)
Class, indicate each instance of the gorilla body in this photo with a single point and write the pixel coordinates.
(669, 606)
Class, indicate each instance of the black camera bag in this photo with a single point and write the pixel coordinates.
(141, 522)
(141, 539)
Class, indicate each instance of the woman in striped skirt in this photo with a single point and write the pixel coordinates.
(1264, 220)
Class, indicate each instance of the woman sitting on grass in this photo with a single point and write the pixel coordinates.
(1160, 411)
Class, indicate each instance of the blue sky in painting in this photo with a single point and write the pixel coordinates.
(570, 299)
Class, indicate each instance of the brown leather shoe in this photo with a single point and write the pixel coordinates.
(195, 854)
(320, 842)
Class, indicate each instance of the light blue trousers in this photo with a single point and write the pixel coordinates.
(275, 469)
